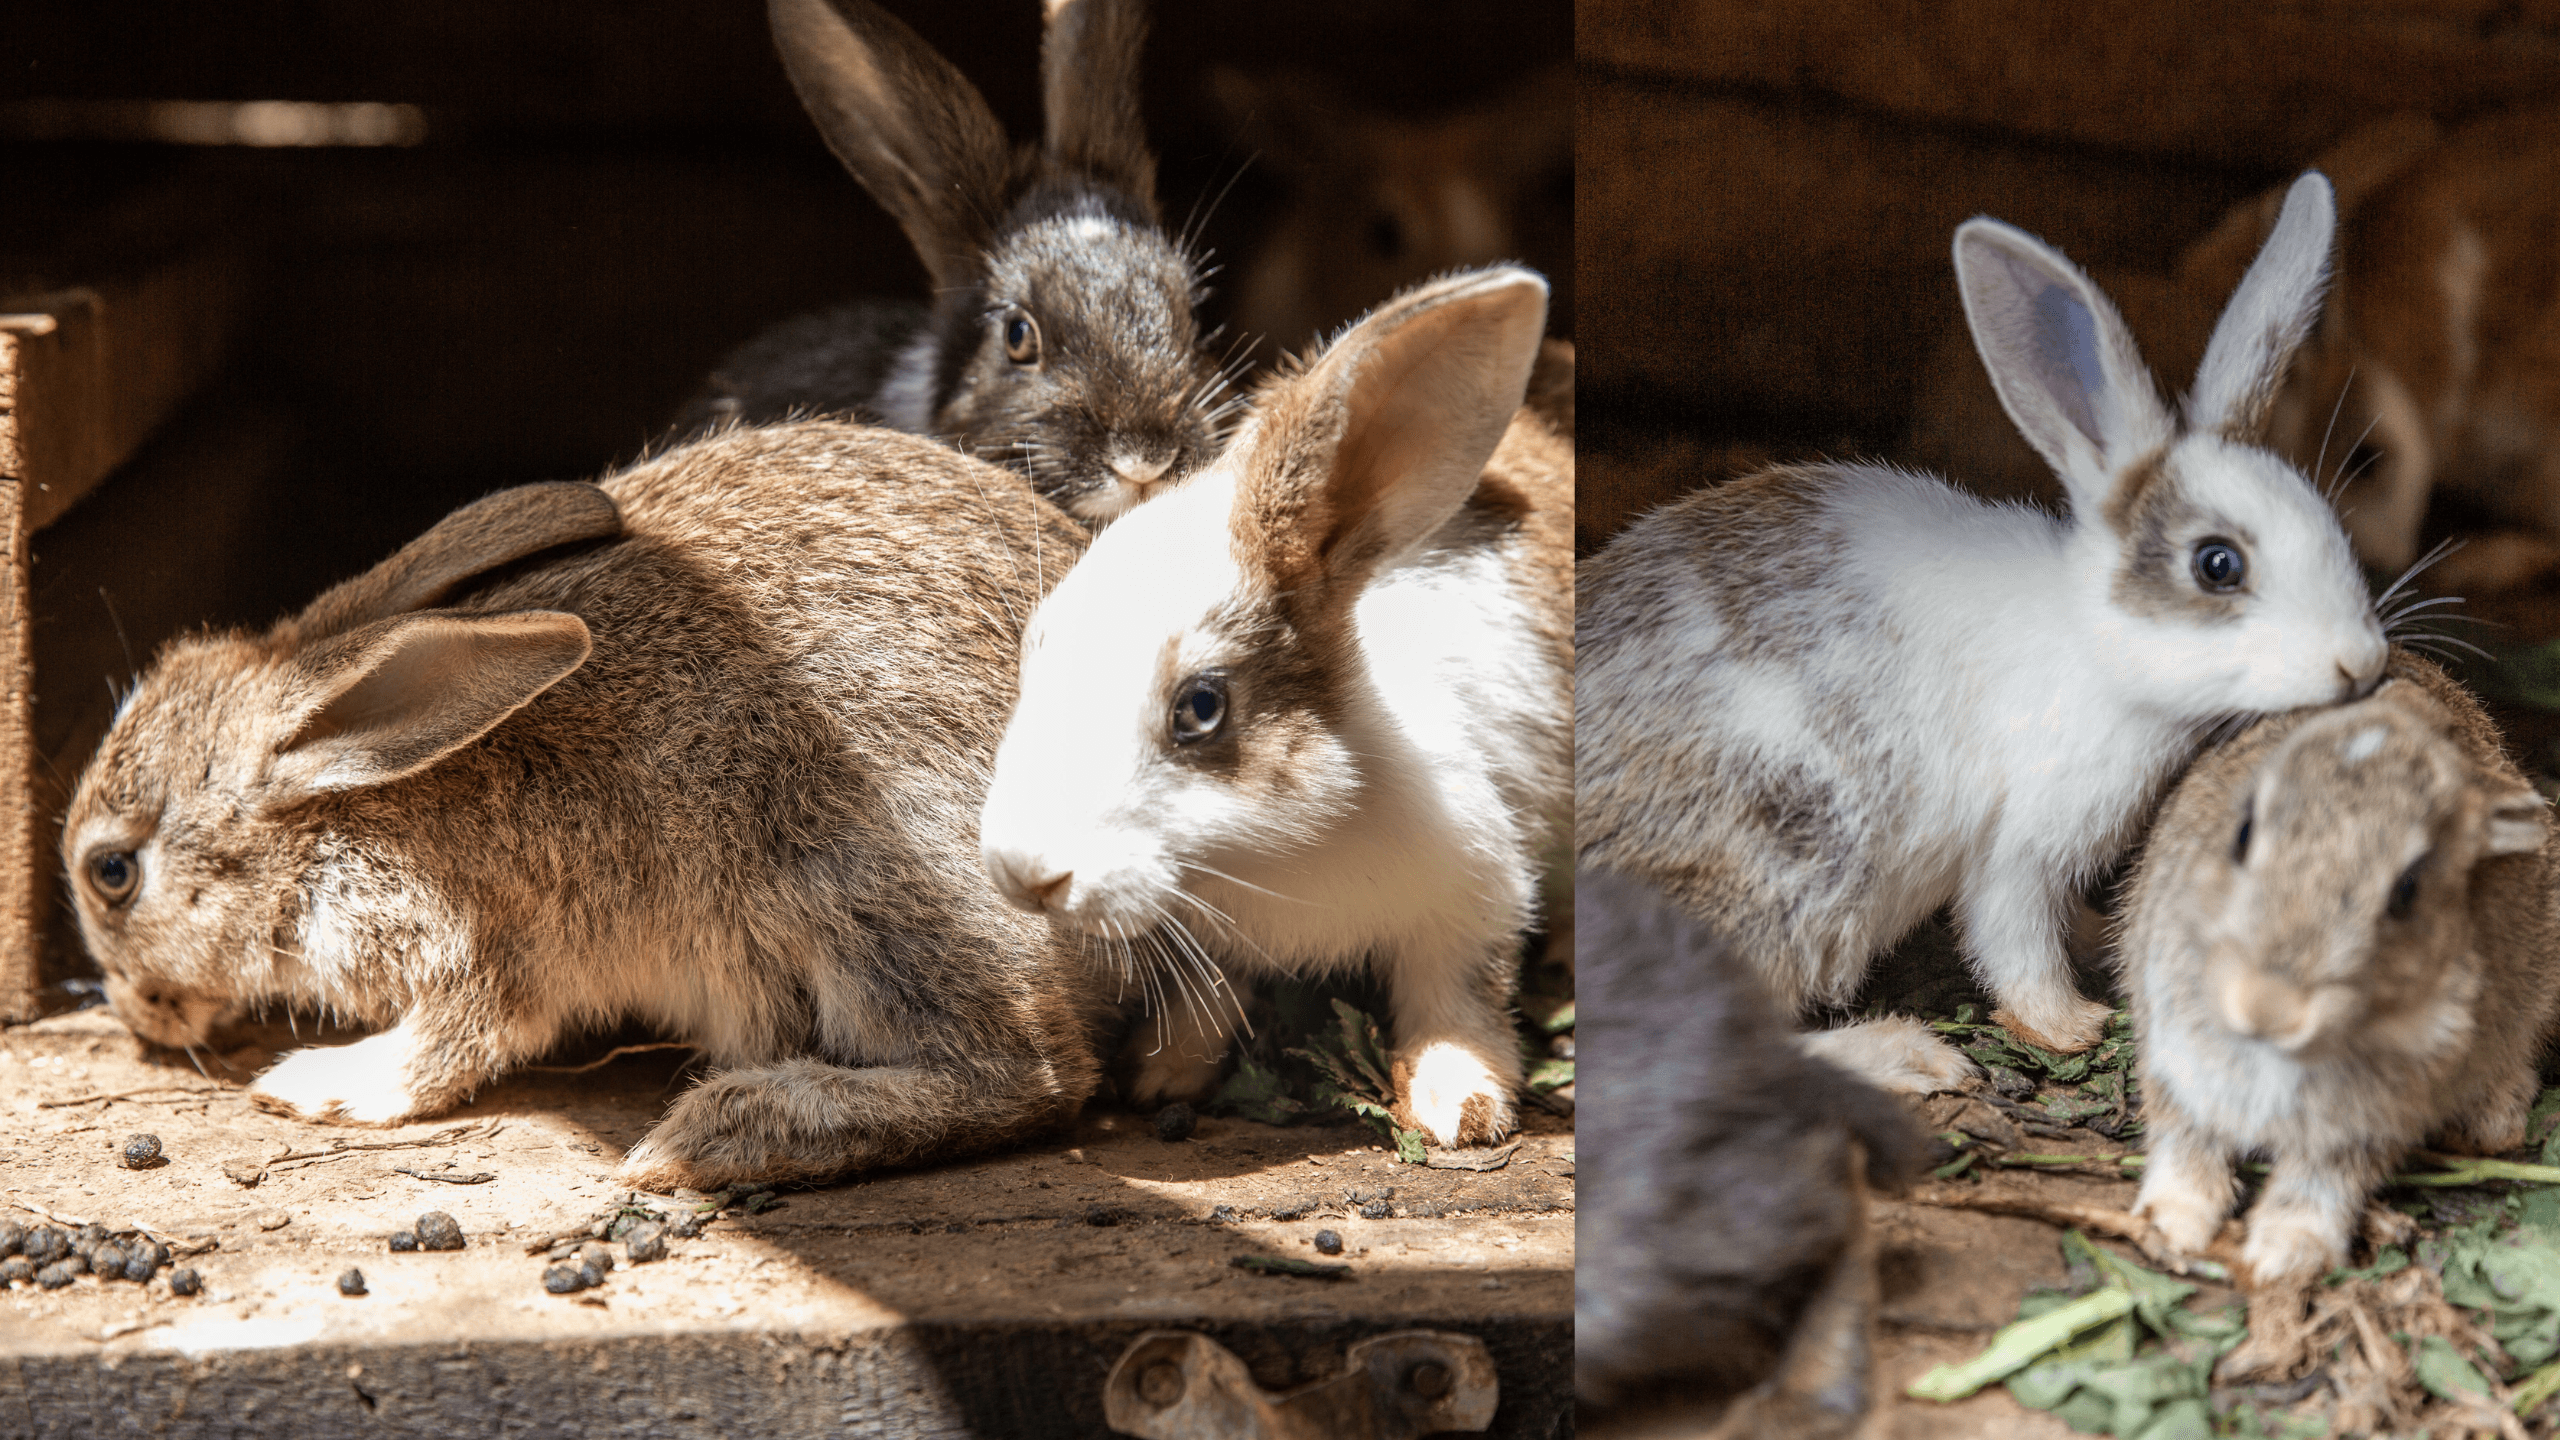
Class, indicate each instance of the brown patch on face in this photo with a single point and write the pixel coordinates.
(1283, 695)
(2160, 526)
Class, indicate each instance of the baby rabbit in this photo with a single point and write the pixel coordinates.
(1312, 708)
(1722, 1242)
(2340, 940)
(719, 774)
(1061, 339)
(1818, 703)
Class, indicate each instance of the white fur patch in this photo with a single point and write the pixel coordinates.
(1445, 1078)
(366, 1082)
(2362, 745)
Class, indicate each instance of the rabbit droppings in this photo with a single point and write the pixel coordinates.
(1723, 1243)
(720, 774)
(1061, 339)
(1818, 703)
(1312, 709)
(2340, 940)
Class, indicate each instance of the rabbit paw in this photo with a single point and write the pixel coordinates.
(2288, 1247)
(364, 1083)
(2185, 1222)
(1896, 1053)
(2066, 1028)
(1153, 1078)
(1452, 1097)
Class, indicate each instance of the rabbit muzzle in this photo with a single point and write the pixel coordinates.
(2264, 1006)
(162, 1013)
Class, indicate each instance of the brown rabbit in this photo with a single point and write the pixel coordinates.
(717, 769)
(2340, 939)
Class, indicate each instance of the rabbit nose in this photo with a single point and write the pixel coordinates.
(2358, 687)
(1137, 472)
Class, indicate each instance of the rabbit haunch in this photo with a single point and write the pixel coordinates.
(1311, 709)
(1818, 703)
(2340, 940)
(718, 772)
(1062, 338)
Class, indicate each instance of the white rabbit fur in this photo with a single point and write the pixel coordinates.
(718, 771)
(1817, 703)
(2340, 939)
(1377, 576)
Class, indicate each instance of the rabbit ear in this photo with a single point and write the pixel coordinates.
(397, 698)
(481, 536)
(2268, 317)
(908, 126)
(2518, 822)
(2061, 358)
(1089, 83)
(1381, 440)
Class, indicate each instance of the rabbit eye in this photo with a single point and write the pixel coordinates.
(1199, 707)
(2404, 891)
(1021, 340)
(2220, 567)
(114, 874)
(2240, 842)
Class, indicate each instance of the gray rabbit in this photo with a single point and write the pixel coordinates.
(1722, 1244)
(1062, 338)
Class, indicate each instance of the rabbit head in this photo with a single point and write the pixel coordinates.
(2183, 523)
(1063, 338)
(188, 842)
(2340, 910)
(1192, 689)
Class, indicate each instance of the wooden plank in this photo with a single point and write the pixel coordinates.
(1788, 259)
(2263, 85)
(20, 889)
(99, 367)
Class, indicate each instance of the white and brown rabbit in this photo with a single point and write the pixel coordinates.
(1722, 1247)
(2340, 940)
(1818, 703)
(1061, 339)
(717, 771)
(1313, 707)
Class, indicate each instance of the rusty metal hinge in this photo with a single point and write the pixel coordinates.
(1178, 1385)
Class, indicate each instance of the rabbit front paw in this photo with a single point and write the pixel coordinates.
(1453, 1097)
(2186, 1222)
(2065, 1025)
(2288, 1246)
(365, 1083)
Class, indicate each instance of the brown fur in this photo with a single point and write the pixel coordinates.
(2427, 1024)
(749, 818)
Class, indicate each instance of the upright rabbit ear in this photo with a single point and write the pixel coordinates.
(2061, 358)
(392, 700)
(915, 133)
(481, 536)
(2268, 317)
(1089, 83)
(1381, 440)
(2518, 821)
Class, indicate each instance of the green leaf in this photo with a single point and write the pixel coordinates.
(1257, 1093)
(1410, 1147)
(2444, 1372)
(2021, 1344)
(1551, 1075)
